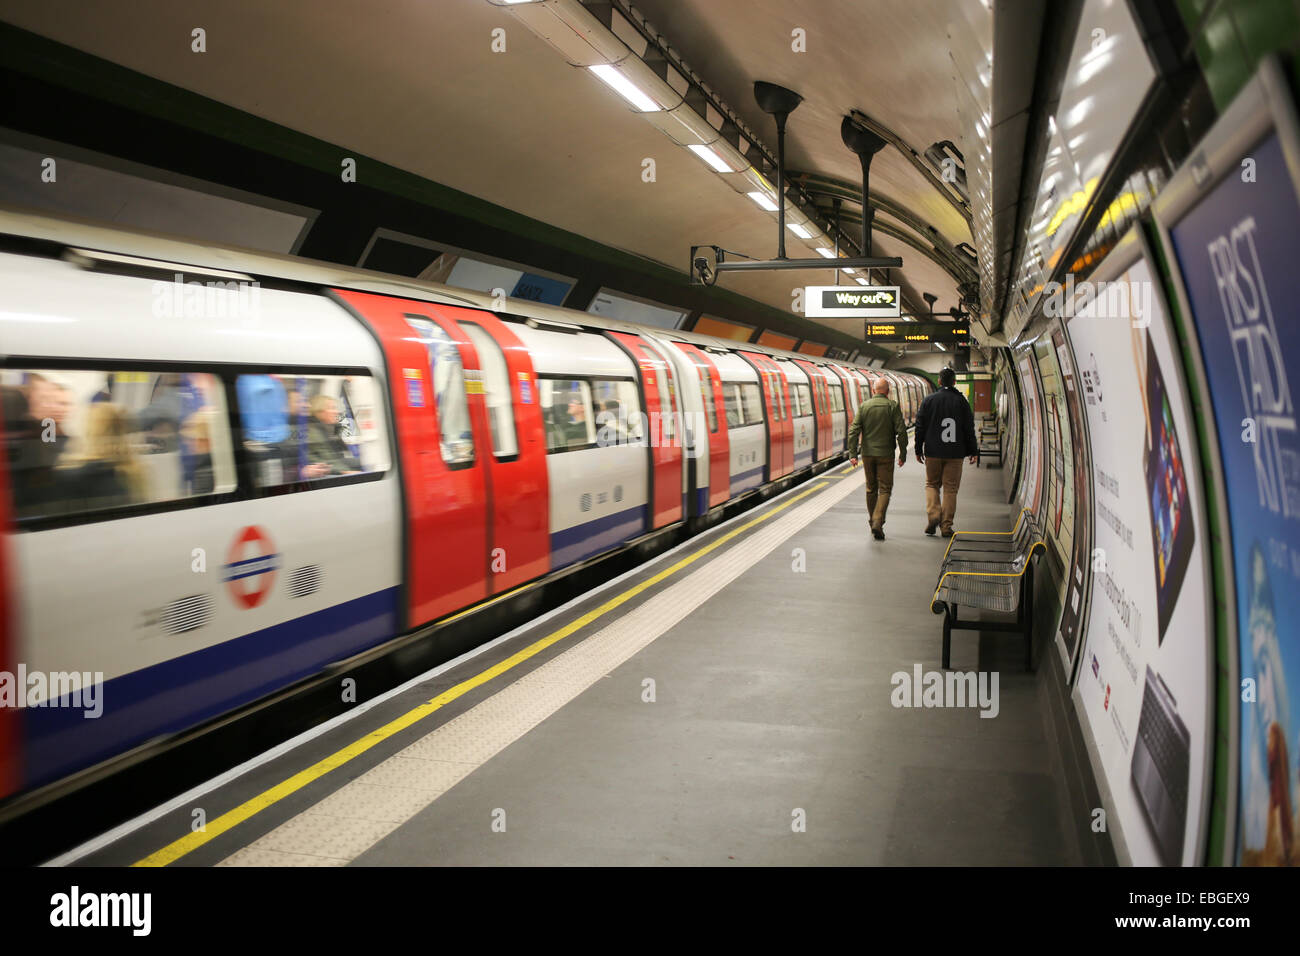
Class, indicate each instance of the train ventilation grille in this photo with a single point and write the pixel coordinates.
(187, 614)
(304, 581)
(618, 492)
(585, 502)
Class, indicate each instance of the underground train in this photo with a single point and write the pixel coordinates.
(227, 470)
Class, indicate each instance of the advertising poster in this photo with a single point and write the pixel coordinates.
(1059, 520)
(1032, 458)
(1236, 250)
(1072, 614)
(1144, 676)
(1009, 414)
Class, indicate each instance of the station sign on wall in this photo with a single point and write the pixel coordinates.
(851, 302)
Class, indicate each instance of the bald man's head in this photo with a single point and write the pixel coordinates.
(881, 387)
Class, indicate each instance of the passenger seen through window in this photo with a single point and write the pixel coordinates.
(87, 441)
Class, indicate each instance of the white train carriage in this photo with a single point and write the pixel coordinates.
(190, 592)
(802, 414)
(746, 431)
(596, 434)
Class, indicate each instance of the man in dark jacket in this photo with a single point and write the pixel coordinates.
(945, 434)
(878, 424)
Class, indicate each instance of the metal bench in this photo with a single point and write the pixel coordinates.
(990, 571)
(990, 443)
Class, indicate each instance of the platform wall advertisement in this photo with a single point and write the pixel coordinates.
(1031, 469)
(1237, 252)
(1011, 417)
(1072, 613)
(1144, 677)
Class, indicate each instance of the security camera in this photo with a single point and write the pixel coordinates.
(702, 264)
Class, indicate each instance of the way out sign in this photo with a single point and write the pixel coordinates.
(851, 302)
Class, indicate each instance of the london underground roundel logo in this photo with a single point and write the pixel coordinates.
(251, 566)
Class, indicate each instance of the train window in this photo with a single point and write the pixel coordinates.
(567, 412)
(448, 391)
(310, 427)
(804, 394)
(706, 395)
(751, 403)
(85, 441)
(837, 396)
(731, 404)
(496, 390)
(619, 419)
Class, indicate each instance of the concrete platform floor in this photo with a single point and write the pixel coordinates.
(771, 738)
(773, 697)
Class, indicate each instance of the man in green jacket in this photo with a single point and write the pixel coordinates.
(875, 429)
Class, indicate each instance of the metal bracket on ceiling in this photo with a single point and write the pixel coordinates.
(704, 269)
(915, 158)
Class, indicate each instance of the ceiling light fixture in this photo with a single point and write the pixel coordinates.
(764, 201)
(799, 229)
(710, 156)
(625, 88)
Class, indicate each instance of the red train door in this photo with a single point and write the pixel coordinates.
(719, 443)
(821, 406)
(520, 540)
(780, 428)
(660, 390)
(442, 445)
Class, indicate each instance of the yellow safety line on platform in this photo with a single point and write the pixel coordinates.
(232, 818)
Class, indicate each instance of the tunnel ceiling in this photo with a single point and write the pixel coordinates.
(421, 89)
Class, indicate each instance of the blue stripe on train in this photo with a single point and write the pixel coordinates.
(185, 691)
(569, 545)
(746, 480)
(803, 458)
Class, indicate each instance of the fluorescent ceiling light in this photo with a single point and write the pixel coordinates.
(765, 201)
(849, 271)
(625, 88)
(825, 253)
(799, 231)
(713, 159)
(862, 281)
(940, 347)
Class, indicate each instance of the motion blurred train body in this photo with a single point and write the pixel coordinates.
(226, 471)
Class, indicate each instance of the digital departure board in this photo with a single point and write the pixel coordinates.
(903, 333)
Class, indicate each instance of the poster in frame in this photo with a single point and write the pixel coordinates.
(1144, 688)
(1228, 221)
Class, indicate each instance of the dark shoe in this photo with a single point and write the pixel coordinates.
(929, 529)
(878, 533)
(949, 533)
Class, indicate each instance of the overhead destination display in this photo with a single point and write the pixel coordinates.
(900, 333)
(850, 302)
